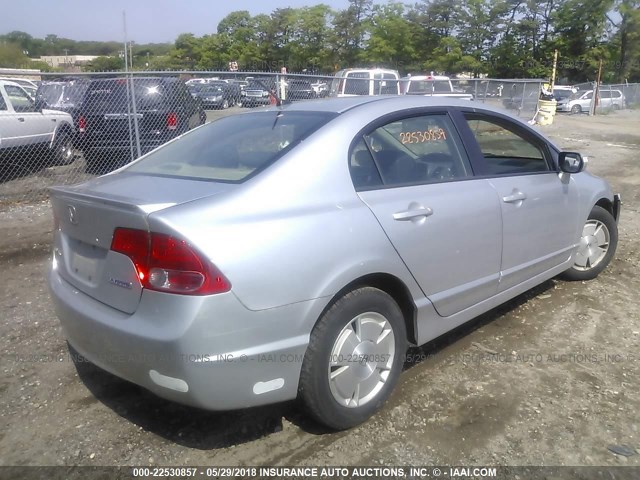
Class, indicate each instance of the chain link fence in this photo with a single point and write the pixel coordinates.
(63, 129)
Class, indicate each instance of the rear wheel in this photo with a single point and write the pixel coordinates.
(354, 358)
(596, 247)
(576, 109)
(63, 153)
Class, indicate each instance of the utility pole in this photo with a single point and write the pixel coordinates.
(553, 73)
(596, 91)
(131, 95)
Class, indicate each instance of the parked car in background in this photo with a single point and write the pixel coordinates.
(300, 89)
(213, 95)
(200, 263)
(66, 96)
(321, 88)
(563, 92)
(581, 102)
(431, 85)
(32, 136)
(257, 93)
(108, 118)
(28, 86)
(363, 81)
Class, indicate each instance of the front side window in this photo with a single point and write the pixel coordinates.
(3, 105)
(418, 150)
(505, 150)
(20, 100)
(233, 148)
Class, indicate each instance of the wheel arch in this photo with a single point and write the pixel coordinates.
(64, 127)
(391, 285)
(606, 204)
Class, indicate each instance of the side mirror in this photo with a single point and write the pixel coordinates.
(570, 162)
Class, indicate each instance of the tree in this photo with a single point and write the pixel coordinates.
(390, 35)
(105, 64)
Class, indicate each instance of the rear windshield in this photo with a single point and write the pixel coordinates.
(58, 93)
(111, 95)
(422, 87)
(233, 148)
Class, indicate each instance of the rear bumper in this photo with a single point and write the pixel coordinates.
(207, 352)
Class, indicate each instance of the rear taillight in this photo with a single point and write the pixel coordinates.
(82, 124)
(172, 121)
(168, 264)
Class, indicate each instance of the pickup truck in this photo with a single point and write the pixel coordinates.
(29, 134)
(431, 85)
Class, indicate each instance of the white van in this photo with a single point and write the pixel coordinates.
(581, 102)
(365, 81)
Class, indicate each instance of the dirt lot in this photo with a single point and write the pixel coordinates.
(564, 386)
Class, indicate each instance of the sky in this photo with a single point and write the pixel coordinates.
(148, 21)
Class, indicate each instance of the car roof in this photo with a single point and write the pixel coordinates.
(9, 82)
(393, 102)
(426, 77)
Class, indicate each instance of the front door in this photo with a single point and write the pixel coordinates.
(539, 204)
(414, 175)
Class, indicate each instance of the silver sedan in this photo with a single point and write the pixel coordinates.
(297, 251)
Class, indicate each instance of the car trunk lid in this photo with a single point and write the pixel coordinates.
(86, 217)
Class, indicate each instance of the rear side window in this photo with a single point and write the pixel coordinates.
(233, 148)
(411, 151)
(505, 150)
(3, 105)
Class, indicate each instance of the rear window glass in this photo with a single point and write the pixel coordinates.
(58, 93)
(233, 148)
(112, 95)
(425, 87)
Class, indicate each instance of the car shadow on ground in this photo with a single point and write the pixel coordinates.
(205, 430)
(417, 355)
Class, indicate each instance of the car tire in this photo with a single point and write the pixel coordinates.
(596, 247)
(63, 153)
(354, 359)
(616, 106)
(225, 104)
(576, 109)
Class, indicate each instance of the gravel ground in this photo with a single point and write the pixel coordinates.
(550, 378)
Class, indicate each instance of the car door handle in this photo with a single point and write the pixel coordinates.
(411, 214)
(21, 119)
(516, 196)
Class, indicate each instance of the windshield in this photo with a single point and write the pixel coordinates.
(233, 148)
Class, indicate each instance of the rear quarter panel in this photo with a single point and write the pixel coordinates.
(296, 232)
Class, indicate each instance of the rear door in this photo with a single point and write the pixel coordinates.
(415, 176)
(540, 206)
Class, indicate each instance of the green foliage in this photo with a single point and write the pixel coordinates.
(106, 64)
(499, 38)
